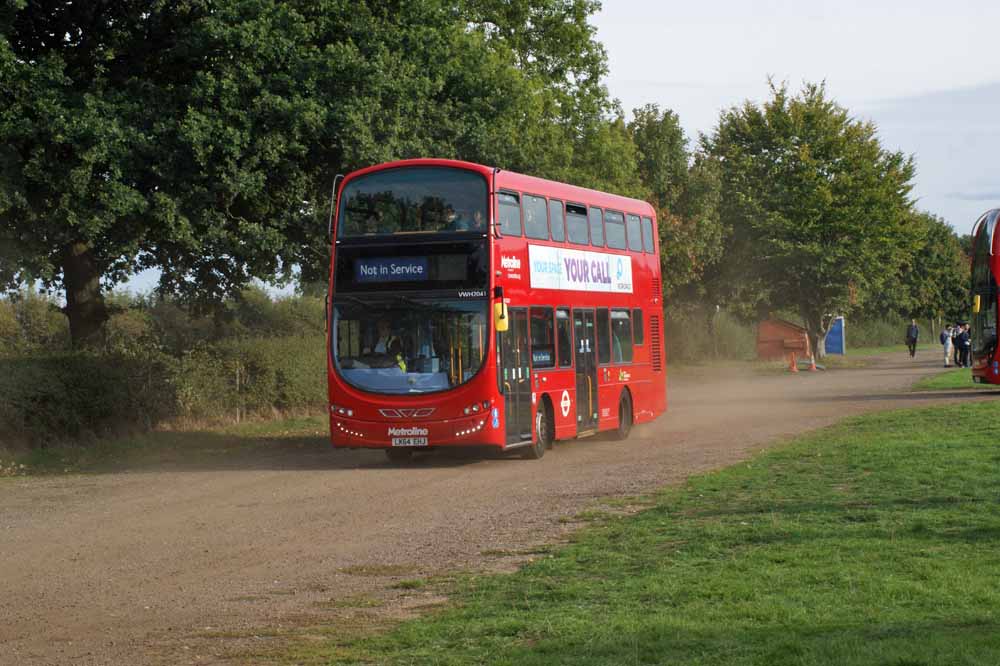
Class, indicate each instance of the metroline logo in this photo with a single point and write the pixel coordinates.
(408, 432)
(510, 263)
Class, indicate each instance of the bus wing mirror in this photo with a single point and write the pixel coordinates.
(500, 320)
(976, 304)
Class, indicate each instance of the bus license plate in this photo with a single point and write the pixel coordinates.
(409, 441)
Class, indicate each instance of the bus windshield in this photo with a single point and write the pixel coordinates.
(409, 200)
(408, 345)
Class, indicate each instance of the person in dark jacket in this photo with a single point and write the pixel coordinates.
(912, 335)
(955, 331)
(965, 347)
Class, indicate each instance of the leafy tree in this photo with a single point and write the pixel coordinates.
(201, 137)
(685, 194)
(820, 211)
(934, 283)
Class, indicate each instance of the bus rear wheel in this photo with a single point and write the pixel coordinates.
(399, 456)
(543, 432)
(624, 417)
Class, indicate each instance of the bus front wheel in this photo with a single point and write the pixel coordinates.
(624, 416)
(543, 432)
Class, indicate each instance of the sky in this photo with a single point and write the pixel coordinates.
(926, 73)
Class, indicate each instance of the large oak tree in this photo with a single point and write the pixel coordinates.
(200, 137)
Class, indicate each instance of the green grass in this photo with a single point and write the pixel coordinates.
(959, 378)
(876, 541)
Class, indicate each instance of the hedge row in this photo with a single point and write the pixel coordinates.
(72, 396)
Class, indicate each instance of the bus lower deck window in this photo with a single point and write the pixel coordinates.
(565, 338)
(621, 336)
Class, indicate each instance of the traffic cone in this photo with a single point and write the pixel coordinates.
(812, 363)
(792, 365)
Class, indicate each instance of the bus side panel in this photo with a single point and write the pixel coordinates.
(560, 387)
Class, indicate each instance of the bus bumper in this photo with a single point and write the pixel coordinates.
(483, 429)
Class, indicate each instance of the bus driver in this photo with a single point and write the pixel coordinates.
(387, 344)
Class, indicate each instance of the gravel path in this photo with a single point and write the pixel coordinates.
(193, 563)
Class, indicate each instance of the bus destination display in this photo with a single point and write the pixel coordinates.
(391, 269)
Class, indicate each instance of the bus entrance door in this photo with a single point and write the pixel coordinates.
(586, 370)
(516, 383)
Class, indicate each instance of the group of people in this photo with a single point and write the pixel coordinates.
(955, 338)
(957, 343)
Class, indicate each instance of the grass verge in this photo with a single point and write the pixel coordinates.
(870, 542)
(957, 379)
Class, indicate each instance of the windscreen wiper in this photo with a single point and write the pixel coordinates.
(409, 301)
(352, 299)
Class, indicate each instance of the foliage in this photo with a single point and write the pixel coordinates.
(30, 322)
(685, 193)
(699, 334)
(871, 542)
(885, 332)
(252, 376)
(819, 209)
(58, 396)
(935, 283)
(201, 137)
(157, 361)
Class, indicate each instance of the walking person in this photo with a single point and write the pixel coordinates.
(912, 335)
(946, 335)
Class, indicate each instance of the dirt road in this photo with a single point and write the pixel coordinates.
(187, 564)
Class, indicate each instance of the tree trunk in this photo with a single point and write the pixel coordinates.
(816, 331)
(85, 307)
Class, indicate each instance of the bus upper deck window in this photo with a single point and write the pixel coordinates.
(614, 229)
(556, 221)
(597, 227)
(510, 214)
(634, 233)
(576, 224)
(535, 222)
(647, 235)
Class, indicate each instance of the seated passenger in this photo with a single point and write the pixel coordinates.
(373, 223)
(463, 220)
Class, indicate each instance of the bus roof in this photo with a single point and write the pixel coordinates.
(528, 184)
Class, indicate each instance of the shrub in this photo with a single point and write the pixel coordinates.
(10, 330)
(695, 335)
(66, 395)
(159, 360)
(885, 332)
(238, 377)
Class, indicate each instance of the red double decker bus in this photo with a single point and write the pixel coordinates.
(985, 269)
(475, 306)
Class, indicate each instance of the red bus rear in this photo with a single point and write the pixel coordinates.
(472, 306)
(985, 267)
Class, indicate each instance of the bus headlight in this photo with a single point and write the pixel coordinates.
(342, 411)
(475, 407)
